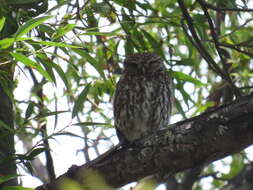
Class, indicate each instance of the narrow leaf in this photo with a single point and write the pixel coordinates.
(29, 110)
(101, 33)
(35, 152)
(59, 4)
(154, 43)
(28, 166)
(56, 44)
(78, 106)
(61, 74)
(62, 31)
(186, 62)
(47, 65)
(92, 61)
(49, 114)
(30, 25)
(90, 124)
(5, 43)
(179, 108)
(7, 127)
(4, 178)
(2, 21)
(16, 188)
(68, 134)
(181, 76)
(28, 62)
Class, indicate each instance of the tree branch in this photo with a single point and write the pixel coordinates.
(218, 49)
(210, 6)
(197, 42)
(187, 144)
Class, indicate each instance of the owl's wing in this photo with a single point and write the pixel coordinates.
(118, 97)
(119, 109)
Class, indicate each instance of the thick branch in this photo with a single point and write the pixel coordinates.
(187, 144)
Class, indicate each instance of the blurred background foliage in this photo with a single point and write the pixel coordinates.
(66, 56)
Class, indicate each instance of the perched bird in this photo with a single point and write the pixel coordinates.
(142, 101)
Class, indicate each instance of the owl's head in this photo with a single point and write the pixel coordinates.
(144, 64)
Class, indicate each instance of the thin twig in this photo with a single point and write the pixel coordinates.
(219, 51)
(210, 6)
(197, 42)
(238, 28)
(237, 49)
(43, 129)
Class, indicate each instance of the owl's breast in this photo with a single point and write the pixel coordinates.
(140, 105)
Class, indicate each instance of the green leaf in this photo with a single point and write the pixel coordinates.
(129, 47)
(102, 8)
(63, 30)
(42, 115)
(29, 110)
(236, 166)
(47, 64)
(186, 96)
(28, 166)
(13, 2)
(4, 178)
(179, 108)
(46, 29)
(16, 188)
(114, 33)
(61, 74)
(154, 43)
(5, 43)
(181, 76)
(59, 4)
(92, 61)
(56, 44)
(7, 127)
(28, 62)
(186, 62)
(78, 106)
(30, 25)
(35, 152)
(2, 21)
(91, 124)
(139, 38)
(68, 134)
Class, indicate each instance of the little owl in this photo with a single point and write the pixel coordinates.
(142, 101)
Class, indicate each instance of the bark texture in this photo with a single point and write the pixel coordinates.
(7, 151)
(187, 144)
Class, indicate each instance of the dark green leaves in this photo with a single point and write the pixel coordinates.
(187, 78)
(4, 178)
(35, 152)
(79, 103)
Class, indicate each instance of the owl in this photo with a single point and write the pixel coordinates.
(142, 100)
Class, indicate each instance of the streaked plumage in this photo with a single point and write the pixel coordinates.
(142, 101)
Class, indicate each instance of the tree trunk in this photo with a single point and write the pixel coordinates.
(7, 146)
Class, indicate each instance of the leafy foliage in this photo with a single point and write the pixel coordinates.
(72, 56)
